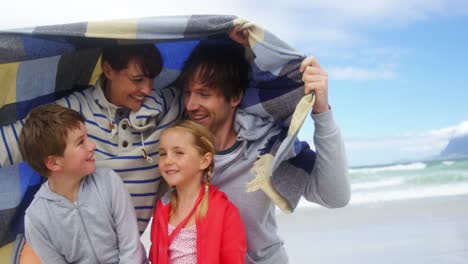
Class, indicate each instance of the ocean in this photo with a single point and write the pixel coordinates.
(406, 181)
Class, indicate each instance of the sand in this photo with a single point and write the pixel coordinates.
(427, 231)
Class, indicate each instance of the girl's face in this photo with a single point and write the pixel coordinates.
(180, 162)
(128, 87)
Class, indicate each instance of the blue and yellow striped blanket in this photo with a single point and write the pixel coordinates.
(41, 64)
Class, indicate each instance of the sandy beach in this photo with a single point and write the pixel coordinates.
(427, 231)
(430, 231)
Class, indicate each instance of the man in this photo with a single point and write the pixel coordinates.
(214, 79)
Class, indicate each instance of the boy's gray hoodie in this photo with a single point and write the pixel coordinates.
(100, 227)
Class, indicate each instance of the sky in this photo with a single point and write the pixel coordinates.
(398, 69)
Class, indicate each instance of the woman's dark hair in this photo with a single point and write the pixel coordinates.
(147, 55)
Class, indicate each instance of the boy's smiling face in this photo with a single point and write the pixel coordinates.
(78, 157)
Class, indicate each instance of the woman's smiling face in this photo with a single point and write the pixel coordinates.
(127, 87)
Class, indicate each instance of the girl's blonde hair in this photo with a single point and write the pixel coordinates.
(204, 143)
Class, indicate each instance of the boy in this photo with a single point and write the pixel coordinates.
(80, 214)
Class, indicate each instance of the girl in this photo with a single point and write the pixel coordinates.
(194, 222)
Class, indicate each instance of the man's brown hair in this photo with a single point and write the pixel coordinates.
(218, 65)
(45, 133)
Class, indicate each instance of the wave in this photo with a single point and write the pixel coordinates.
(397, 167)
(398, 195)
(448, 162)
(406, 181)
(413, 193)
(377, 184)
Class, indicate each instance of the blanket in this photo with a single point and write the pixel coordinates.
(44, 63)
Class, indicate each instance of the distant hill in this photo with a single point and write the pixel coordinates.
(456, 148)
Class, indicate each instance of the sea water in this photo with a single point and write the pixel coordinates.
(406, 181)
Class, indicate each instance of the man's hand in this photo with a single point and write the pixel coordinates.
(240, 36)
(315, 79)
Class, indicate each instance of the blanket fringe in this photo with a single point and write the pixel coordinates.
(262, 170)
(263, 166)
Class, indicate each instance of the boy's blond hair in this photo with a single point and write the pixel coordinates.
(45, 134)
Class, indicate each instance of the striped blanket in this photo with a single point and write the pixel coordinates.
(42, 64)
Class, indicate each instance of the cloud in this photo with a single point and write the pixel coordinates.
(451, 132)
(379, 10)
(303, 14)
(360, 74)
(408, 146)
(318, 25)
(15, 15)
